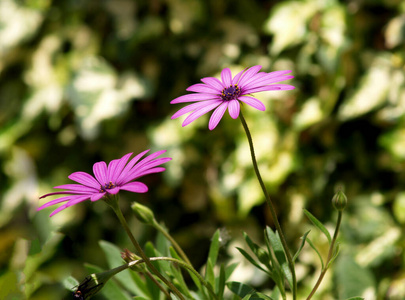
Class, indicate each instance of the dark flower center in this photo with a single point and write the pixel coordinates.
(106, 186)
(230, 93)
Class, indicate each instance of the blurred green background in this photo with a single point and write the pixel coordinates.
(84, 81)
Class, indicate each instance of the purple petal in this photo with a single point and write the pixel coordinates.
(97, 196)
(252, 102)
(202, 88)
(214, 83)
(278, 73)
(269, 88)
(135, 187)
(198, 113)
(114, 190)
(70, 203)
(270, 80)
(129, 166)
(121, 164)
(237, 77)
(234, 108)
(142, 172)
(248, 74)
(100, 171)
(226, 77)
(74, 188)
(84, 178)
(191, 107)
(59, 200)
(194, 97)
(217, 115)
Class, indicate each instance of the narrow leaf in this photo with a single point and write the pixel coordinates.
(251, 260)
(214, 248)
(318, 224)
(220, 287)
(239, 288)
(278, 249)
(304, 237)
(316, 250)
(335, 255)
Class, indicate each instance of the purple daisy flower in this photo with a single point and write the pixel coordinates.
(118, 175)
(226, 93)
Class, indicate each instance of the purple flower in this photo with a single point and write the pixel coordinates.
(226, 93)
(119, 175)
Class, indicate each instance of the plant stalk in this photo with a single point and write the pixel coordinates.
(115, 206)
(271, 206)
(330, 255)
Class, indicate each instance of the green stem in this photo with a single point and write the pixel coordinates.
(177, 261)
(172, 241)
(330, 255)
(114, 204)
(271, 206)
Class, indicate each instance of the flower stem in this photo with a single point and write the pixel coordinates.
(181, 264)
(271, 206)
(114, 205)
(172, 241)
(330, 255)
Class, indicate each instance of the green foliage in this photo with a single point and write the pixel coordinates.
(83, 81)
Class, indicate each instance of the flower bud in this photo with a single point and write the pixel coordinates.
(143, 213)
(339, 201)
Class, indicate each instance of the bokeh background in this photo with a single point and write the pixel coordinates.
(83, 81)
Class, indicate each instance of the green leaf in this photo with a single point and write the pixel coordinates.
(316, 250)
(220, 286)
(252, 261)
(335, 254)
(239, 288)
(304, 237)
(278, 250)
(113, 255)
(355, 298)
(262, 296)
(209, 274)
(229, 270)
(214, 248)
(318, 224)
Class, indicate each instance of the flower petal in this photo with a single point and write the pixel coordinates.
(234, 108)
(198, 113)
(226, 77)
(128, 167)
(214, 83)
(59, 200)
(248, 74)
(100, 171)
(97, 196)
(120, 166)
(192, 107)
(194, 97)
(70, 203)
(84, 178)
(235, 80)
(252, 102)
(217, 115)
(73, 188)
(202, 88)
(272, 87)
(135, 187)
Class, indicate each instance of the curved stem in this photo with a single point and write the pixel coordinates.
(271, 206)
(114, 204)
(172, 241)
(174, 260)
(330, 255)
